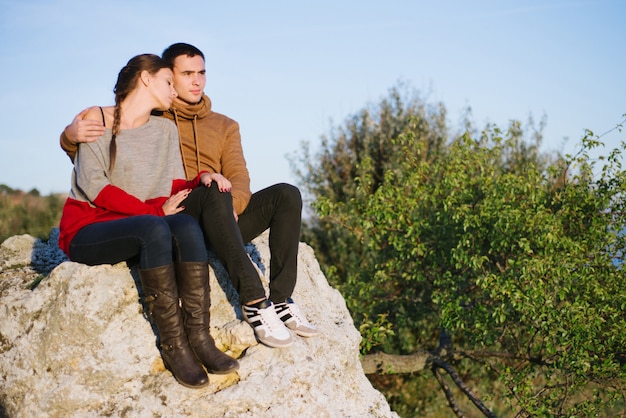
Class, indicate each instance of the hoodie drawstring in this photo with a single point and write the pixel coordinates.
(195, 141)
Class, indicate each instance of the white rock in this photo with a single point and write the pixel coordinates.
(78, 345)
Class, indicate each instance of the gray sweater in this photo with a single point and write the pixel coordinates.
(147, 160)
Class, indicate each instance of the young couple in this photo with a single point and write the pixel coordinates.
(161, 187)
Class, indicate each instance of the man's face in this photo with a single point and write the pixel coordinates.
(189, 78)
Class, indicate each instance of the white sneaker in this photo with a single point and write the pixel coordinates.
(268, 328)
(294, 319)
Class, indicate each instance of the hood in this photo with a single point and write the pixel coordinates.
(191, 111)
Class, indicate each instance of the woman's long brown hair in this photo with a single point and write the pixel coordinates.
(126, 82)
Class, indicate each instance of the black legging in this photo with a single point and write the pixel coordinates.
(279, 208)
(157, 240)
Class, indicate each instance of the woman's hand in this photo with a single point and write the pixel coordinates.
(170, 207)
(222, 182)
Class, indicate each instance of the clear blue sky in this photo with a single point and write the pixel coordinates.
(288, 71)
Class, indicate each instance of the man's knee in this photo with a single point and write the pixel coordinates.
(211, 197)
(290, 195)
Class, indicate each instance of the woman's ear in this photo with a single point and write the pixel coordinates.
(145, 78)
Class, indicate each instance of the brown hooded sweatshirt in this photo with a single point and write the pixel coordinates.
(209, 141)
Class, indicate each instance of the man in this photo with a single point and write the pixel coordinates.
(211, 142)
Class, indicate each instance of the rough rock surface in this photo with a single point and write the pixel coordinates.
(74, 342)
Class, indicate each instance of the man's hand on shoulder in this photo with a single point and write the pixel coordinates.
(86, 127)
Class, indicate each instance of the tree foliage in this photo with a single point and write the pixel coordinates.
(28, 213)
(501, 261)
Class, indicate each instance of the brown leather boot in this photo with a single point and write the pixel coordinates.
(160, 289)
(193, 287)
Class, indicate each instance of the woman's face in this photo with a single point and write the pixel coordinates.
(163, 88)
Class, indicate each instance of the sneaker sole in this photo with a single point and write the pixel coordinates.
(301, 333)
(276, 344)
(305, 333)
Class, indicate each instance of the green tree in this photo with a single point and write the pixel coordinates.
(475, 260)
(28, 213)
(368, 135)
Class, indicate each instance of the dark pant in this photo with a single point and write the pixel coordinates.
(279, 208)
(156, 240)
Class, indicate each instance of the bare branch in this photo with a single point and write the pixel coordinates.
(438, 362)
(383, 363)
(446, 390)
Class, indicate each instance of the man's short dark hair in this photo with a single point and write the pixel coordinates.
(176, 50)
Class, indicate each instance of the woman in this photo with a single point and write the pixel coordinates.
(124, 204)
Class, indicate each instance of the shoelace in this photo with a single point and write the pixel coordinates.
(296, 313)
(271, 321)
